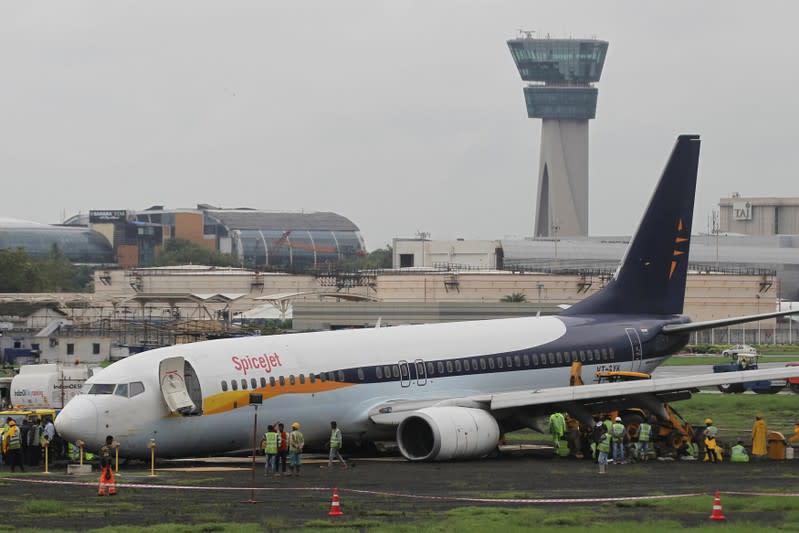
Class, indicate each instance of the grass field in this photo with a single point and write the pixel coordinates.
(746, 514)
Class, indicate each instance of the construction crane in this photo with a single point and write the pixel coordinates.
(283, 241)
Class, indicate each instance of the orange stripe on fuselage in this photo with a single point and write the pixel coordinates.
(227, 401)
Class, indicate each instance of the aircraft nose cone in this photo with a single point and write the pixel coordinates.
(78, 420)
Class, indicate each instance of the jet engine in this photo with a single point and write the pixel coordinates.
(442, 433)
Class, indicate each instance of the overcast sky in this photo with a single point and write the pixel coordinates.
(401, 116)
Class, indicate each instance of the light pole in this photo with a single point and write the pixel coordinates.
(539, 287)
(255, 401)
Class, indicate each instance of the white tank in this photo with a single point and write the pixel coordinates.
(48, 386)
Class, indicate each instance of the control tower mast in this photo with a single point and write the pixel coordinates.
(559, 75)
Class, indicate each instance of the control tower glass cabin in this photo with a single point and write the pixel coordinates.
(559, 75)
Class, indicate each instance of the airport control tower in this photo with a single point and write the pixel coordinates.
(559, 74)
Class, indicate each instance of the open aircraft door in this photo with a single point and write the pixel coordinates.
(173, 385)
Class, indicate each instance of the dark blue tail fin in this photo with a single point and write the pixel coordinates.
(652, 274)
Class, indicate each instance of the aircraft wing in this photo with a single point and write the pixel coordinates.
(583, 400)
(722, 322)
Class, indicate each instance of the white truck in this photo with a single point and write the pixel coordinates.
(48, 385)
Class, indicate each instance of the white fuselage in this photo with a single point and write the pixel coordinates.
(300, 379)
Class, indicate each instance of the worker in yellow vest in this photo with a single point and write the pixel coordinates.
(271, 447)
(335, 446)
(12, 446)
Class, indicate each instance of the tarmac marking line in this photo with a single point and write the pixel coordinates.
(464, 499)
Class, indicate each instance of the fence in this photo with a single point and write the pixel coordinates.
(784, 334)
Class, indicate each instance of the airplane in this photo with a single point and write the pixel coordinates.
(442, 391)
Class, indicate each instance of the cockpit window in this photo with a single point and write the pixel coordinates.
(137, 387)
(122, 390)
(102, 388)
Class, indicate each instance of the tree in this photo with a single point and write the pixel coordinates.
(374, 260)
(185, 252)
(19, 272)
(516, 297)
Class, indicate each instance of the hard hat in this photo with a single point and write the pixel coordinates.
(599, 424)
(618, 419)
(708, 421)
(295, 425)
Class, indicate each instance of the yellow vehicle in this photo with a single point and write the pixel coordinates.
(20, 414)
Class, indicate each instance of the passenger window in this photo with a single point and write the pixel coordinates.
(431, 369)
(312, 377)
(404, 371)
(387, 371)
(559, 357)
(122, 390)
(136, 388)
(302, 379)
(517, 360)
(474, 364)
(612, 354)
(491, 363)
(500, 363)
(243, 384)
(526, 359)
(322, 377)
(395, 370)
(282, 381)
(482, 363)
(341, 376)
(604, 354)
(582, 356)
(574, 356)
(440, 366)
(466, 366)
(551, 357)
(379, 372)
(535, 359)
(509, 361)
(272, 381)
(234, 384)
(420, 370)
(590, 355)
(449, 367)
(360, 374)
(292, 381)
(458, 367)
(263, 383)
(224, 386)
(331, 376)
(254, 383)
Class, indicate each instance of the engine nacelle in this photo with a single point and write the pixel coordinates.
(442, 433)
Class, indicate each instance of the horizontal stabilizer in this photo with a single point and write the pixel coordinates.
(709, 324)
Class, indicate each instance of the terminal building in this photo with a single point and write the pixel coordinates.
(263, 240)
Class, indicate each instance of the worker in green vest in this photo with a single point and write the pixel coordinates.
(644, 436)
(271, 446)
(557, 427)
(617, 431)
(738, 453)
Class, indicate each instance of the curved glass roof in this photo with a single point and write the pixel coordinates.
(79, 245)
(288, 241)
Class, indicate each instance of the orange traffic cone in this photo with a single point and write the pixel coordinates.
(717, 513)
(335, 505)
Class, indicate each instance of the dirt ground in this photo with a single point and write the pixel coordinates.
(290, 502)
